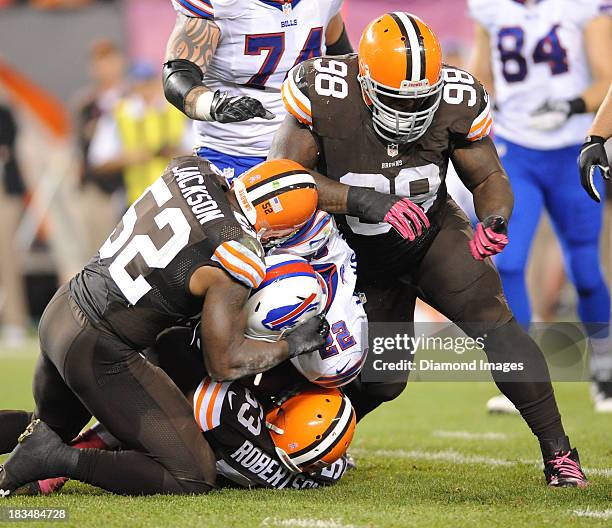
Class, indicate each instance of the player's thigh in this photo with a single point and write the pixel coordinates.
(387, 300)
(56, 404)
(463, 289)
(141, 407)
(577, 219)
(528, 204)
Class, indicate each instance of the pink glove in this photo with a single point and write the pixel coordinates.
(490, 238)
(408, 219)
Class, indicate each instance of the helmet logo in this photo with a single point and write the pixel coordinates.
(284, 316)
(243, 201)
(407, 85)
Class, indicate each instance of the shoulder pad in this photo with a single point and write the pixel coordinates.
(466, 110)
(311, 238)
(295, 92)
(243, 259)
(208, 403)
(195, 8)
(484, 12)
(583, 11)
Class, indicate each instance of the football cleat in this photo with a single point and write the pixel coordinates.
(26, 464)
(500, 404)
(602, 396)
(562, 464)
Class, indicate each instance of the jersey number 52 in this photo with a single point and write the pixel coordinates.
(125, 247)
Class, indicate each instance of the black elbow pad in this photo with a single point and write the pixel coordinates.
(180, 76)
(342, 46)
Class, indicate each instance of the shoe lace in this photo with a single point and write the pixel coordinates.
(565, 466)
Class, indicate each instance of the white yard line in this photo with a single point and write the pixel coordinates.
(595, 514)
(467, 435)
(304, 522)
(450, 455)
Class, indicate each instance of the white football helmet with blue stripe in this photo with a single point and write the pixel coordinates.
(290, 294)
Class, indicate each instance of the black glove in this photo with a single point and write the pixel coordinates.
(226, 109)
(593, 156)
(308, 337)
(406, 217)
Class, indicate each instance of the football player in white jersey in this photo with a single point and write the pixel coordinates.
(547, 65)
(593, 153)
(226, 61)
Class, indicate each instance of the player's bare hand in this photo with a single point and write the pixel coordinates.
(592, 157)
(490, 238)
(408, 219)
(227, 109)
(310, 336)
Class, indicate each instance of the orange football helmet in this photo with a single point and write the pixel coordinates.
(277, 197)
(400, 64)
(313, 428)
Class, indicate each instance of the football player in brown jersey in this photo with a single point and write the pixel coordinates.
(186, 248)
(392, 118)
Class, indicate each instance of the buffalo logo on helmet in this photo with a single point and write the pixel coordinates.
(290, 294)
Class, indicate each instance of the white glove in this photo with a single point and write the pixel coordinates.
(550, 116)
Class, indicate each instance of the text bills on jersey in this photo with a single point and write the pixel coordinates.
(261, 40)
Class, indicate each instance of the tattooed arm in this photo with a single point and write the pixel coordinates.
(190, 49)
(194, 40)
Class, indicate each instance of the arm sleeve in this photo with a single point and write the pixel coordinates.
(471, 117)
(242, 263)
(587, 10)
(481, 126)
(195, 8)
(334, 8)
(208, 402)
(484, 11)
(295, 95)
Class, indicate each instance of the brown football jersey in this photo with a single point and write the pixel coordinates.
(138, 283)
(325, 95)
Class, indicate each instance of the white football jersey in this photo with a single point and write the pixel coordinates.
(538, 54)
(321, 244)
(261, 40)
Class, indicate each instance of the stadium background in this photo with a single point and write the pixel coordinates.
(458, 467)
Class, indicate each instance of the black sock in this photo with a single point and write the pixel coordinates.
(12, 424)
(128, 473)
(530, 390)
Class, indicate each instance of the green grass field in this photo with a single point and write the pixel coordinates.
(431, 458)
